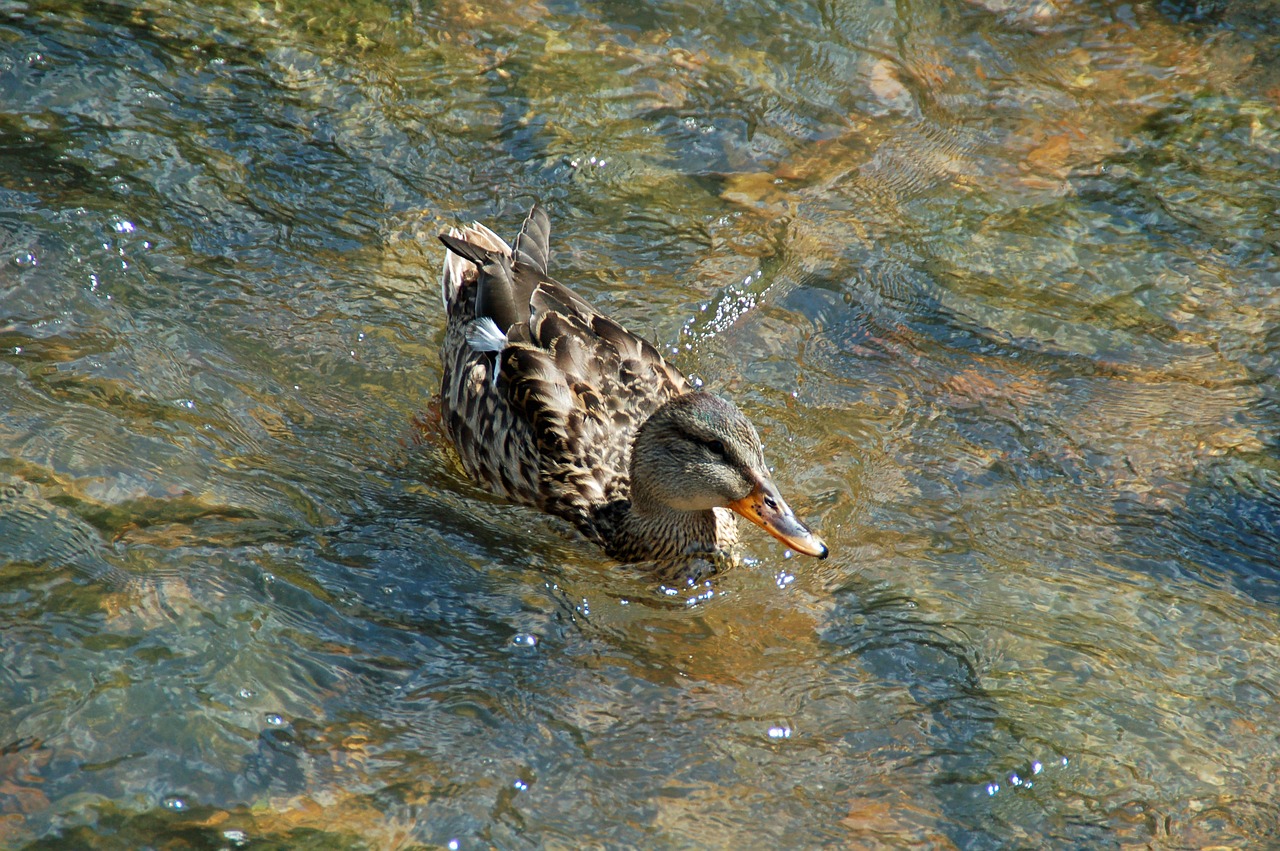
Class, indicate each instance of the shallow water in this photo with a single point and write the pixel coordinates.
(997, 281)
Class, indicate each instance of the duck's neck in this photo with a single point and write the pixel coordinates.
(645, 530)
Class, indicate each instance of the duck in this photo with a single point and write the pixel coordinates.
(550, 403)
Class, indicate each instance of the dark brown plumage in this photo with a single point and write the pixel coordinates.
(551, 403)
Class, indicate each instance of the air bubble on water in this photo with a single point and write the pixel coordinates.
(245, 693)
(174, 803)
(120, 225)
(520, 786)
(25, 259)
(454, 845)
(779, 731)
(524, 639)
(275, 720)
(1036, 767)
(993, 788)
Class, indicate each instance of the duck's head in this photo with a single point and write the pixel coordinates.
(698, 452)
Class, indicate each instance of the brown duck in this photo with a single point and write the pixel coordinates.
(550, 402)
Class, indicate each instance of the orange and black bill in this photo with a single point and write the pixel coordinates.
(766, 508)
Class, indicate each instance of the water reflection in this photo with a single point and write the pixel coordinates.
(995, 280)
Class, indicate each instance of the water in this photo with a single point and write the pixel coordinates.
(997, 282)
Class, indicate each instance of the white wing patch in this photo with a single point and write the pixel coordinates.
(484, 335)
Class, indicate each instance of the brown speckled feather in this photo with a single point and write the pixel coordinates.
(555, 428)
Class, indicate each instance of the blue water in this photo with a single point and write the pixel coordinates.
(996, 281)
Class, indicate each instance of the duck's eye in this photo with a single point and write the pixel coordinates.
(716, 447)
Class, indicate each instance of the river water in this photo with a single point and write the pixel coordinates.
(998, 282)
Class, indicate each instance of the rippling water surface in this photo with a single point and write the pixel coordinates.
(998, 281)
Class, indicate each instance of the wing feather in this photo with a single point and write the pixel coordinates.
(533, 245)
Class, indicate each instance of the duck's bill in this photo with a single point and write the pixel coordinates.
(766, 508)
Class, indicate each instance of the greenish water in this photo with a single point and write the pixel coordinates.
(998, 282)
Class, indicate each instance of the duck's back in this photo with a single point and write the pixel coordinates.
(554, 427)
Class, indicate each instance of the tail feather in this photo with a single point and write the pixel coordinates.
(477, 255)
(458, 266)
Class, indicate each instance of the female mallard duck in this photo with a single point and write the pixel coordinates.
(552, 403)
